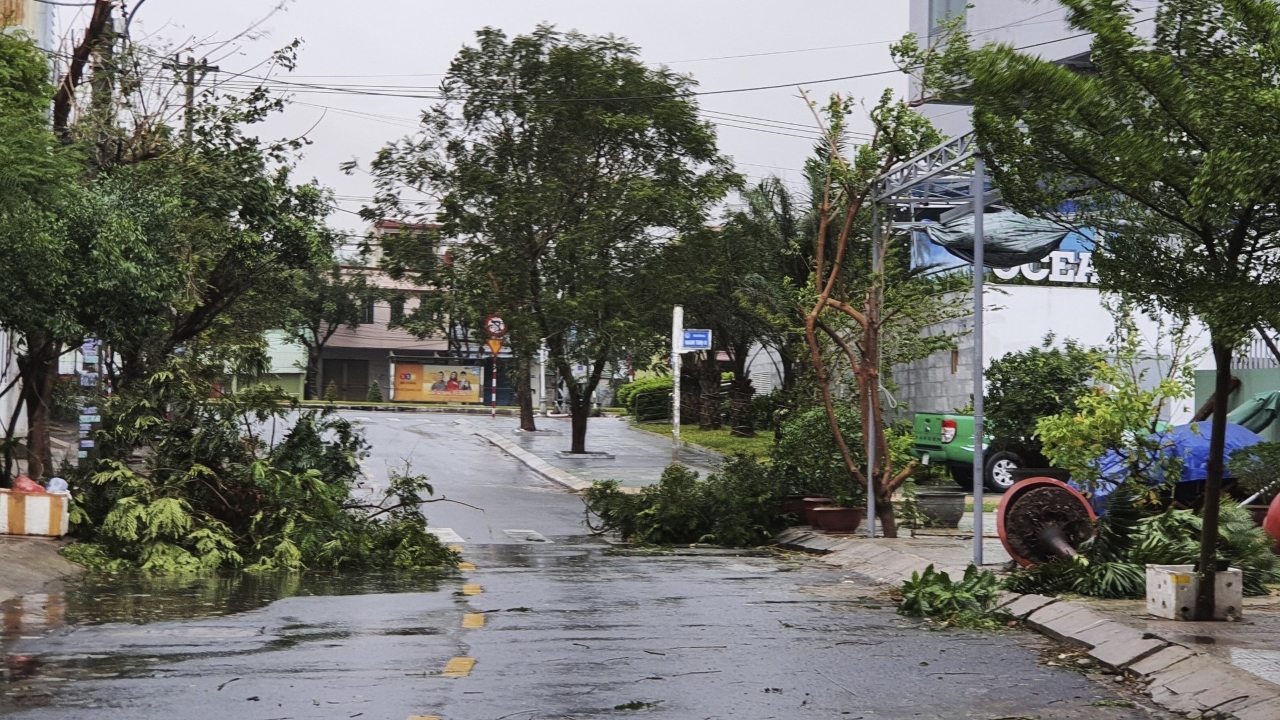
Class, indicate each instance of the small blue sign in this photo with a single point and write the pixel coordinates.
(697, 340)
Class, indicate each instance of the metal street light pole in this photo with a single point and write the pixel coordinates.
(677, 340)
(978, 191)
(870, 398)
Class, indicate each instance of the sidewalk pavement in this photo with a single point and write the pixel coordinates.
(31, 563)
(634, 458)
(1199, 669)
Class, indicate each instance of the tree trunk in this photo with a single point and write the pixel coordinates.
(690, 391)
(788, 364)
(524, 395)
(884, 513)
(1213, 483)
(740, 392)
(39, 370)
(709, 382)
(311, 384)
(10, 429)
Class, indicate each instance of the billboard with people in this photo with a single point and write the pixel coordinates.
(438, 383)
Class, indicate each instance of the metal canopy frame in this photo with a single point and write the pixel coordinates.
(949, 175)
(936, 177)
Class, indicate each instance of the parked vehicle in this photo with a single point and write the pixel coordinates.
(942, 439)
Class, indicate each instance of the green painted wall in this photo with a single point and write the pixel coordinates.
(1252, 382)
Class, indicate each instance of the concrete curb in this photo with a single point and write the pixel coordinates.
(1177, 677)
(531, 461)
(444, 409)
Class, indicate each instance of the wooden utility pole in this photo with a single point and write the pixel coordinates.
(195, 73)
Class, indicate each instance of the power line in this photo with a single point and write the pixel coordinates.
(377, 92)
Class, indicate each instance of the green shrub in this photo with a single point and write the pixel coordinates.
(807, 457)
(764, 411)
(214, 493)
(966, 603)
(1257, 468)
(738, 506)
(647, 399)
(375, 392)
(331, 392)
(627, 391)
(1024, 386)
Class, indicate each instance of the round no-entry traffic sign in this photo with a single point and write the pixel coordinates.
(495, 326)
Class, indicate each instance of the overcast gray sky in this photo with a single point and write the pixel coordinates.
(410, 42)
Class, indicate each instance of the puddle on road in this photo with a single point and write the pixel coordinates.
(31, 625)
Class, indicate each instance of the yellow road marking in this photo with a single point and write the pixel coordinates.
(424, 717)
(456, 548)
(464, 566)
(472, 589)
(459, 667)
(473, 620)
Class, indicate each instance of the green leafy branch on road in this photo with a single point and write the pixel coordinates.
(203, 487)
(964, 603)
(739, 506)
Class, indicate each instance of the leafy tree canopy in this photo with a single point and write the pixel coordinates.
(560, 165)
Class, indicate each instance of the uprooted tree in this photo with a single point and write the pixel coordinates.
(868, 306)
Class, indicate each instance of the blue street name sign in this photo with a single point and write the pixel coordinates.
(697, 340)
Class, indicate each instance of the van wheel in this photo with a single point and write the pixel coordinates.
(963, 476)
(998, 475)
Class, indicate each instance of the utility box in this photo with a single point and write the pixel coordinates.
(24, 513)
(1171, 592)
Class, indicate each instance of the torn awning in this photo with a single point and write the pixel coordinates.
(1009, 239)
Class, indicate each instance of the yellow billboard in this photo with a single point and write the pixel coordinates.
(438, 383)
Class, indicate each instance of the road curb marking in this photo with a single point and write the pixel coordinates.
(473, 620)
(466, 566)
(472, 589)
(459, 667)
(447, 535)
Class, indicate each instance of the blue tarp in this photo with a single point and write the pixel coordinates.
(1189, 442)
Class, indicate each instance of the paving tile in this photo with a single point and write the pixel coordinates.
(1028, 604)
(1161, 660)
(1230, 702)
(1067, 626)
(1196, 665)
(1052, 612)
(1004, 598)
(1120, 654)
(1265, 710)
(1107, 631)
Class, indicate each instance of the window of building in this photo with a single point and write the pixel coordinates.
(397, 309)
(367, 313)
(942, 10)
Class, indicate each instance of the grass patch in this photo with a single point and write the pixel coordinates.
(987, 505)
(757, 447)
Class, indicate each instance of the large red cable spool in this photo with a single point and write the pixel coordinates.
(1040, 518)
(1271, 524)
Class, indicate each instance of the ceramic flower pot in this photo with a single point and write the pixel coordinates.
(810, 503)
(941, 507)
(837, 519)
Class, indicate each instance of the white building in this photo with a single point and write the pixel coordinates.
(1063, 301)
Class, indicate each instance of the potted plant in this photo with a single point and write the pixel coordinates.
(843, 515)
(940, 506)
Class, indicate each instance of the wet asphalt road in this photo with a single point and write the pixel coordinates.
(567, 628)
